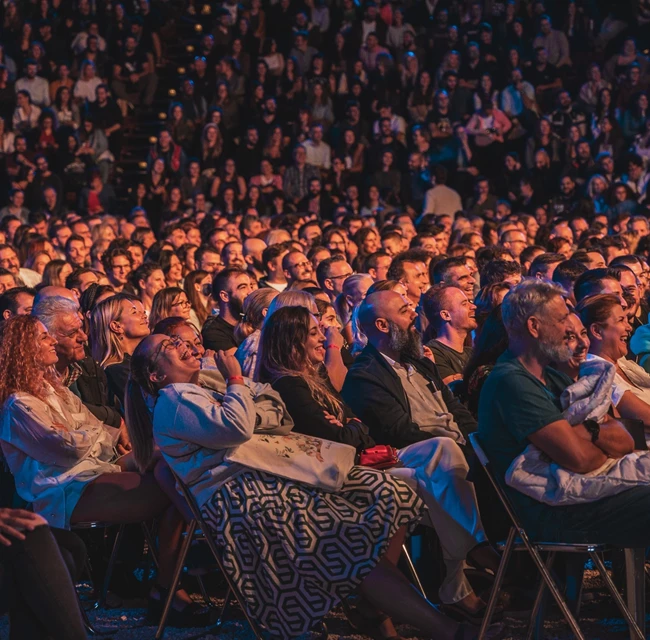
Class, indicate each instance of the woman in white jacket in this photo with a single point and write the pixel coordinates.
(293, 551)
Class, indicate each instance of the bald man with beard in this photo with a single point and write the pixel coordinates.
(399, 395)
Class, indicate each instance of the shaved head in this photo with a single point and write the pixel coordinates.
(379, 305)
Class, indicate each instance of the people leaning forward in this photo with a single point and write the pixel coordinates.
(283, 541)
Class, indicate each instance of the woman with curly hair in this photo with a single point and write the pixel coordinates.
(70, 466)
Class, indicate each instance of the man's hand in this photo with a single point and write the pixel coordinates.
(14, 521)
(123, 442)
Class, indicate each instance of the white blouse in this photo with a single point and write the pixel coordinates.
(53, 449)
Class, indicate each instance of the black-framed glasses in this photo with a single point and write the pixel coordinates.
(171, 343)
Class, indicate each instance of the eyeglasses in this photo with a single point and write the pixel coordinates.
(172, 343)
(343, 275)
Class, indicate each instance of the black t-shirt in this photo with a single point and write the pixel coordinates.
(449, 361)
(107, 116)
(539, 77)
(218, 334)
(131, 63)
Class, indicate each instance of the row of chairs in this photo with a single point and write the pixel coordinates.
(518, 540)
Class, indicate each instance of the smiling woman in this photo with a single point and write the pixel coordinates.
(117, 325)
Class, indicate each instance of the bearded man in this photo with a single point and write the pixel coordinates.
(392, 387)
(399, 394)
(520, 405)
(230, 288)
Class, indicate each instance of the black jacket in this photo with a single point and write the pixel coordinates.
(375, 394)
(309, 417)
(92, 388)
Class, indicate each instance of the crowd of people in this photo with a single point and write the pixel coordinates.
(369, 223)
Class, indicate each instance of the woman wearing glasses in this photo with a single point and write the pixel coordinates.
(167, 303)
(282, 541)
(64, 459)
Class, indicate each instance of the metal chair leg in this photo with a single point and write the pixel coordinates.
(534, 622)
(180, 563)
(498, 580)
(553, 588)
(204, 592)
(617, 596)
(635, 584)
(224, 607)
(111, 566)
(150, 544)
(414, 574)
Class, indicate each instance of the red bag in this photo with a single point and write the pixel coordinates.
(381, 456)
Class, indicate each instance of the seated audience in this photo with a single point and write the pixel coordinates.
(292, 357)
(539, 330)
(204, 425)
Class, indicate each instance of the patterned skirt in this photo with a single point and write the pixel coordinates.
(295, 552)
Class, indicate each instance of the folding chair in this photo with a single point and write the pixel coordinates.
(232, 588)
(518, 540)
(193, 533)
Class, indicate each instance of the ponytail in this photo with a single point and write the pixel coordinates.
(138, 416)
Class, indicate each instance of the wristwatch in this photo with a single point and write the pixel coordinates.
(593, 428)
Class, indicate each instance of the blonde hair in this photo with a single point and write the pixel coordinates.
(254, 306)
(106, 347)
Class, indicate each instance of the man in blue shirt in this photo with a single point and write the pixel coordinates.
(520, 404)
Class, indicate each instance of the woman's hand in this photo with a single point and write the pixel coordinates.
(14, 521)
(333, 338)
(333, 419)
(228, 365)
(123, 442)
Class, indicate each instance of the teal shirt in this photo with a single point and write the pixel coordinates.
(513, 405)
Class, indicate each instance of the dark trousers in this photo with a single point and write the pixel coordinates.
(622, 520)
(43, 602)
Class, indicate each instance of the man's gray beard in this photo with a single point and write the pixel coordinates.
(407, 343)
(559, 353)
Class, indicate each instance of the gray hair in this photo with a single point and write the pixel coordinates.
(50, 310)
(528, 298)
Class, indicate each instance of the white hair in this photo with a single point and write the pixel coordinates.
(50, 310)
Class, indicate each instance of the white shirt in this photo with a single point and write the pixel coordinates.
(85, 89)
(441, 199)
(319, 155)
(38, 89)
(54, 448)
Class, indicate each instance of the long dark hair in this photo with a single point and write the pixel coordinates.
(140, 394)
(283, 353)
(491, 343)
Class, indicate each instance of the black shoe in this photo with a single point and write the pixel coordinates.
(192, 615)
